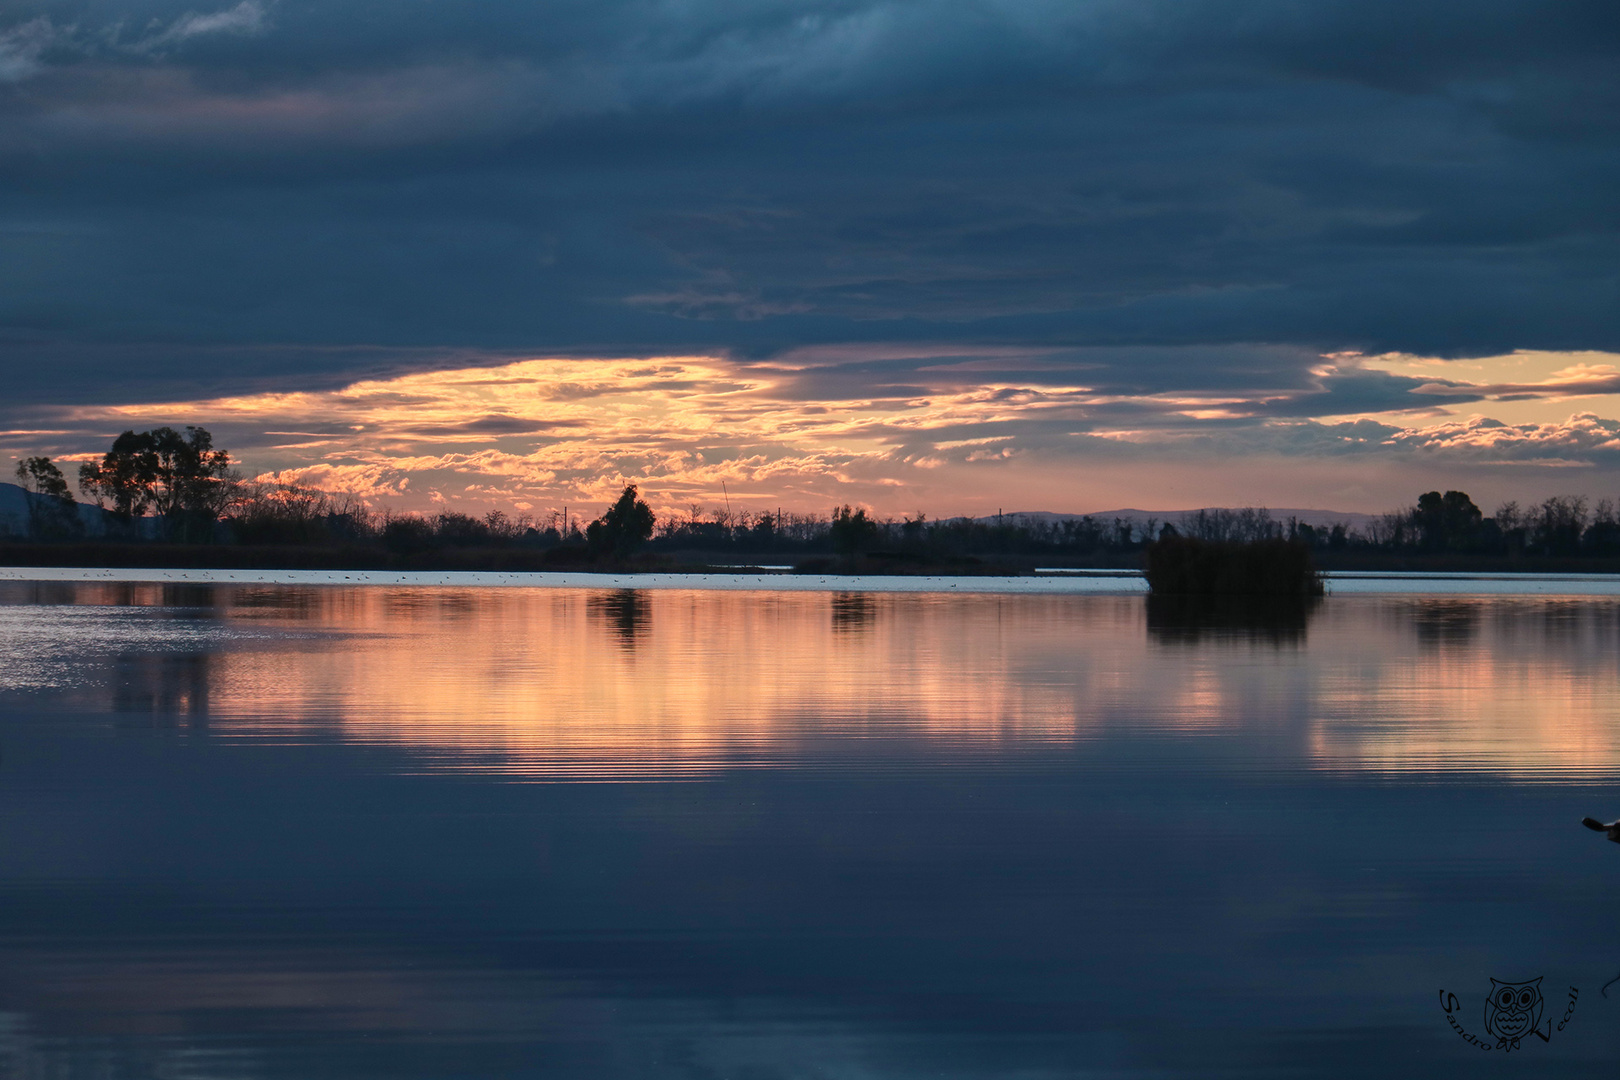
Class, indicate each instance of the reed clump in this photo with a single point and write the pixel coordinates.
(1185, 566)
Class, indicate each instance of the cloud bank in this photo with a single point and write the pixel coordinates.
(1155, 201)
(944, 432)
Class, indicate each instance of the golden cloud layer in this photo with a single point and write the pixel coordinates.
(548, 431)
(948, 436)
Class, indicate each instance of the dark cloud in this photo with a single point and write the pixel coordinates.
(197, 195)
(835, 374)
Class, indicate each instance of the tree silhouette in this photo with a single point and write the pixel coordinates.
(40, 476)
(1559, 523)
(1447, 521)
(192, 477)
(626, 525)
(125, 476)
(52, 513)
(182, 478)
(852, 530)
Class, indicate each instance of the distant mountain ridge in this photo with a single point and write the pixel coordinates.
(14, 514)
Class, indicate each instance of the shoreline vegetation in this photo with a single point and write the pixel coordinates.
(166, 499)
(1273, 567)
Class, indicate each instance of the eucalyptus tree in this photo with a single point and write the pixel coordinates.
(122, 482)
(182, 479)
(52, 513)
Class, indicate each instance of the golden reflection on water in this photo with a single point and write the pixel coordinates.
(614, 683)
(1525, 687)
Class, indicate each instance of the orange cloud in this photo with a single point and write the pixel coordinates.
(549, 433)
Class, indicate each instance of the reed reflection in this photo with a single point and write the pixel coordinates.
(1192, 620)
(44, 593)
(283, 601)
(1444, 622)
(205, 597)
(169, 596)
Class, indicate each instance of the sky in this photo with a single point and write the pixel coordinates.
(951, 257)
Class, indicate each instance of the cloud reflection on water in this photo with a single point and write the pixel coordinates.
(995, 836)
(518, 682)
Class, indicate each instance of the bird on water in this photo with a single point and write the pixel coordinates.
(1612, 829)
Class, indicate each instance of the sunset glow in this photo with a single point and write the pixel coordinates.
(533, 436)
(984, 539)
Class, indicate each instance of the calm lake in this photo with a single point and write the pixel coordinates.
(402, 830)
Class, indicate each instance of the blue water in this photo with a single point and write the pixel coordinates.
(260, 830)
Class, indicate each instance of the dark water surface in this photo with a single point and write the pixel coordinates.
(261, 831)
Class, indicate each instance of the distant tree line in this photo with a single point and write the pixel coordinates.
(1564, 525)
(1448, 523)
(166, 485)
(1439, 523)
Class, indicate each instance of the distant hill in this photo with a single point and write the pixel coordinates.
(14, 514)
